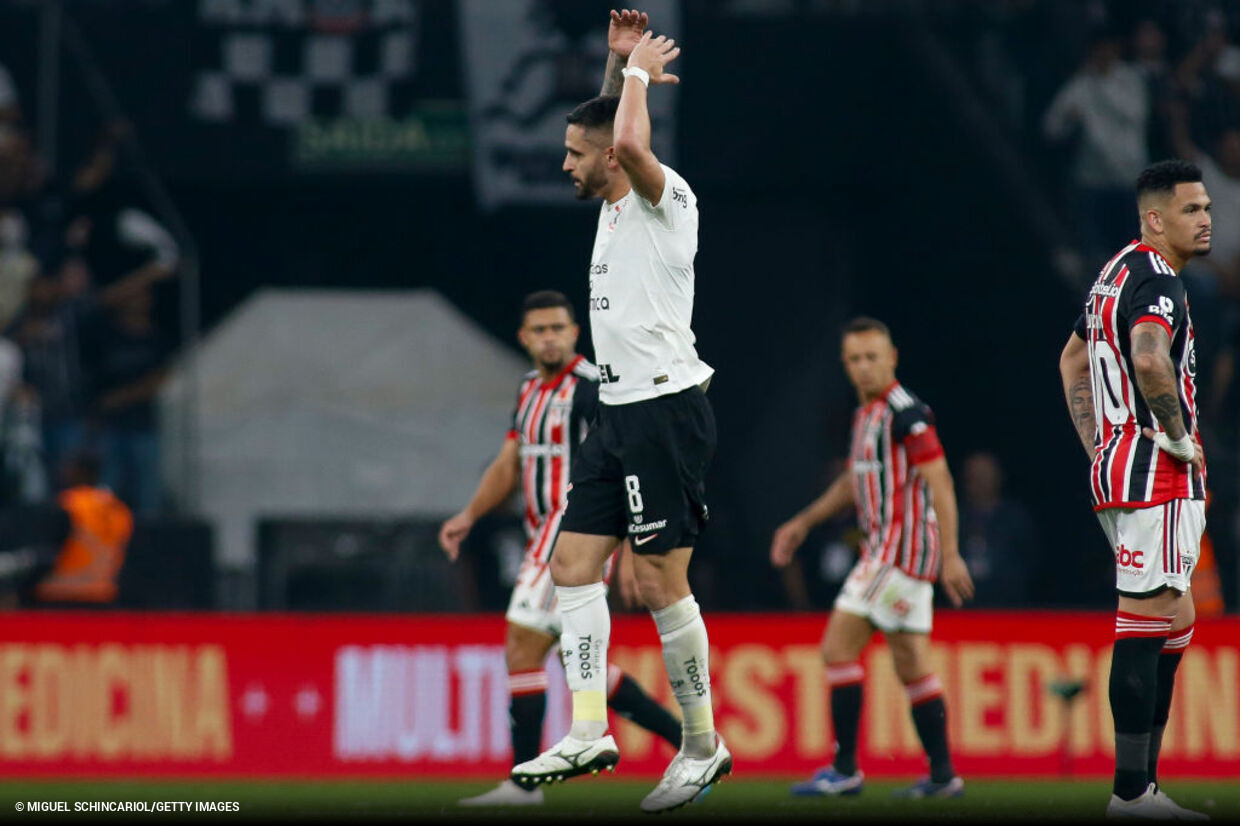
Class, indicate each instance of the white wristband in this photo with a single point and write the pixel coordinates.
(1182, 448)
(639, 73)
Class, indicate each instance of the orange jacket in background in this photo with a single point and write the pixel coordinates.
(90, 560)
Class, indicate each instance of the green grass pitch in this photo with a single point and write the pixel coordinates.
(590, 800)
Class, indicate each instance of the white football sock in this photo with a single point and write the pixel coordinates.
(686, 653)
(583, 650)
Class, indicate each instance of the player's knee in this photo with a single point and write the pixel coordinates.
(519, 657)
(653, 593)
(835, 653)
(568, 571)
(910, 664)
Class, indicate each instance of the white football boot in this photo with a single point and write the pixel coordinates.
(568, 758)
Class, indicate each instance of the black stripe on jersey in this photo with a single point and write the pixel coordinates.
(1108, 452)
(923, 568)
(880, 451)
(1139, 479)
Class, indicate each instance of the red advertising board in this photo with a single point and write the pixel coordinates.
(330, 695)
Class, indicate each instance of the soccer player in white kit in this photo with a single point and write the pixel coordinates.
(640, 472)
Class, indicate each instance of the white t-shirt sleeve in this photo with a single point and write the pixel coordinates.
(677, 204)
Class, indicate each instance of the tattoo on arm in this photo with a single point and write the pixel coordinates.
(1158, 386)
(1166, 408)
(1081, 405)
(613, 81)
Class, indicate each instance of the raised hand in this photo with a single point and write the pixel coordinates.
(652, 54)
(625, 30)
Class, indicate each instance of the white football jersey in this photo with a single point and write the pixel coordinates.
(641, 295)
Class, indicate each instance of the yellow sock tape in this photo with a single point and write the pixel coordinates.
(590, 705)
(699, 719)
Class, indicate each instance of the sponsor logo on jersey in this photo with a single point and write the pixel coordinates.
(679, 196)
(599, 303)
(1163, 309)
(648, 527)
(1108, 290)
(606, 375)
(598, 269)
(638, 541)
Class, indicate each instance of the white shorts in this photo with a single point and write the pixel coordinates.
(1155, 547)
(533, 604)
(889, 598)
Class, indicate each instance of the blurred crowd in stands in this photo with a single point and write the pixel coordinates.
(84, 345)
(84, 348)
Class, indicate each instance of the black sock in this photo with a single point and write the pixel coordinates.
(1133, 691)
(1167, 664)
(525, 716)
(845, 718)
(631, 703)
(930, 719)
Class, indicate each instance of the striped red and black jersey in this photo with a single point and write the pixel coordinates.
(1129, 471)
(890, 437)
(550, 420)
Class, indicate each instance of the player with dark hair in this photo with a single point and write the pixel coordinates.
(556, 403)
(898, 479)
(1129, 374)
(641, 472)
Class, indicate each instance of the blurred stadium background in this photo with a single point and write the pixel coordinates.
(264, 257)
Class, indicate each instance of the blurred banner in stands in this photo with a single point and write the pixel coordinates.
(529, 62)
(255, 91)
(114, 694)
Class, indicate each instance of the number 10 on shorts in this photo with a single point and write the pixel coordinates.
(633, 486)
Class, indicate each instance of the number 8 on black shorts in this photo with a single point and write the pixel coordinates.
(641, 472)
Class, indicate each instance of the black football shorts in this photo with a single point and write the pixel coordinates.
(641, 472)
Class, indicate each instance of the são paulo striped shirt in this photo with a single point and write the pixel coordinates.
(1129, 471)
(890, 436)
(550, 420)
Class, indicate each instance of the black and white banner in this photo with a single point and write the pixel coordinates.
(527, 64)
(260, 89)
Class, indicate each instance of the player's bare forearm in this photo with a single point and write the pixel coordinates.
(1156, 378)
(1078, 391)
(943, 494)
(835, 499)
(632, 124)
(613, 81)
(497, 483)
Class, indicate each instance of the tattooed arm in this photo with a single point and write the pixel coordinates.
(1151, 358)
(1078, 391)
(1158, 383)
(623, 32)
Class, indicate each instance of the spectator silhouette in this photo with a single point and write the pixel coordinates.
(996, 536)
